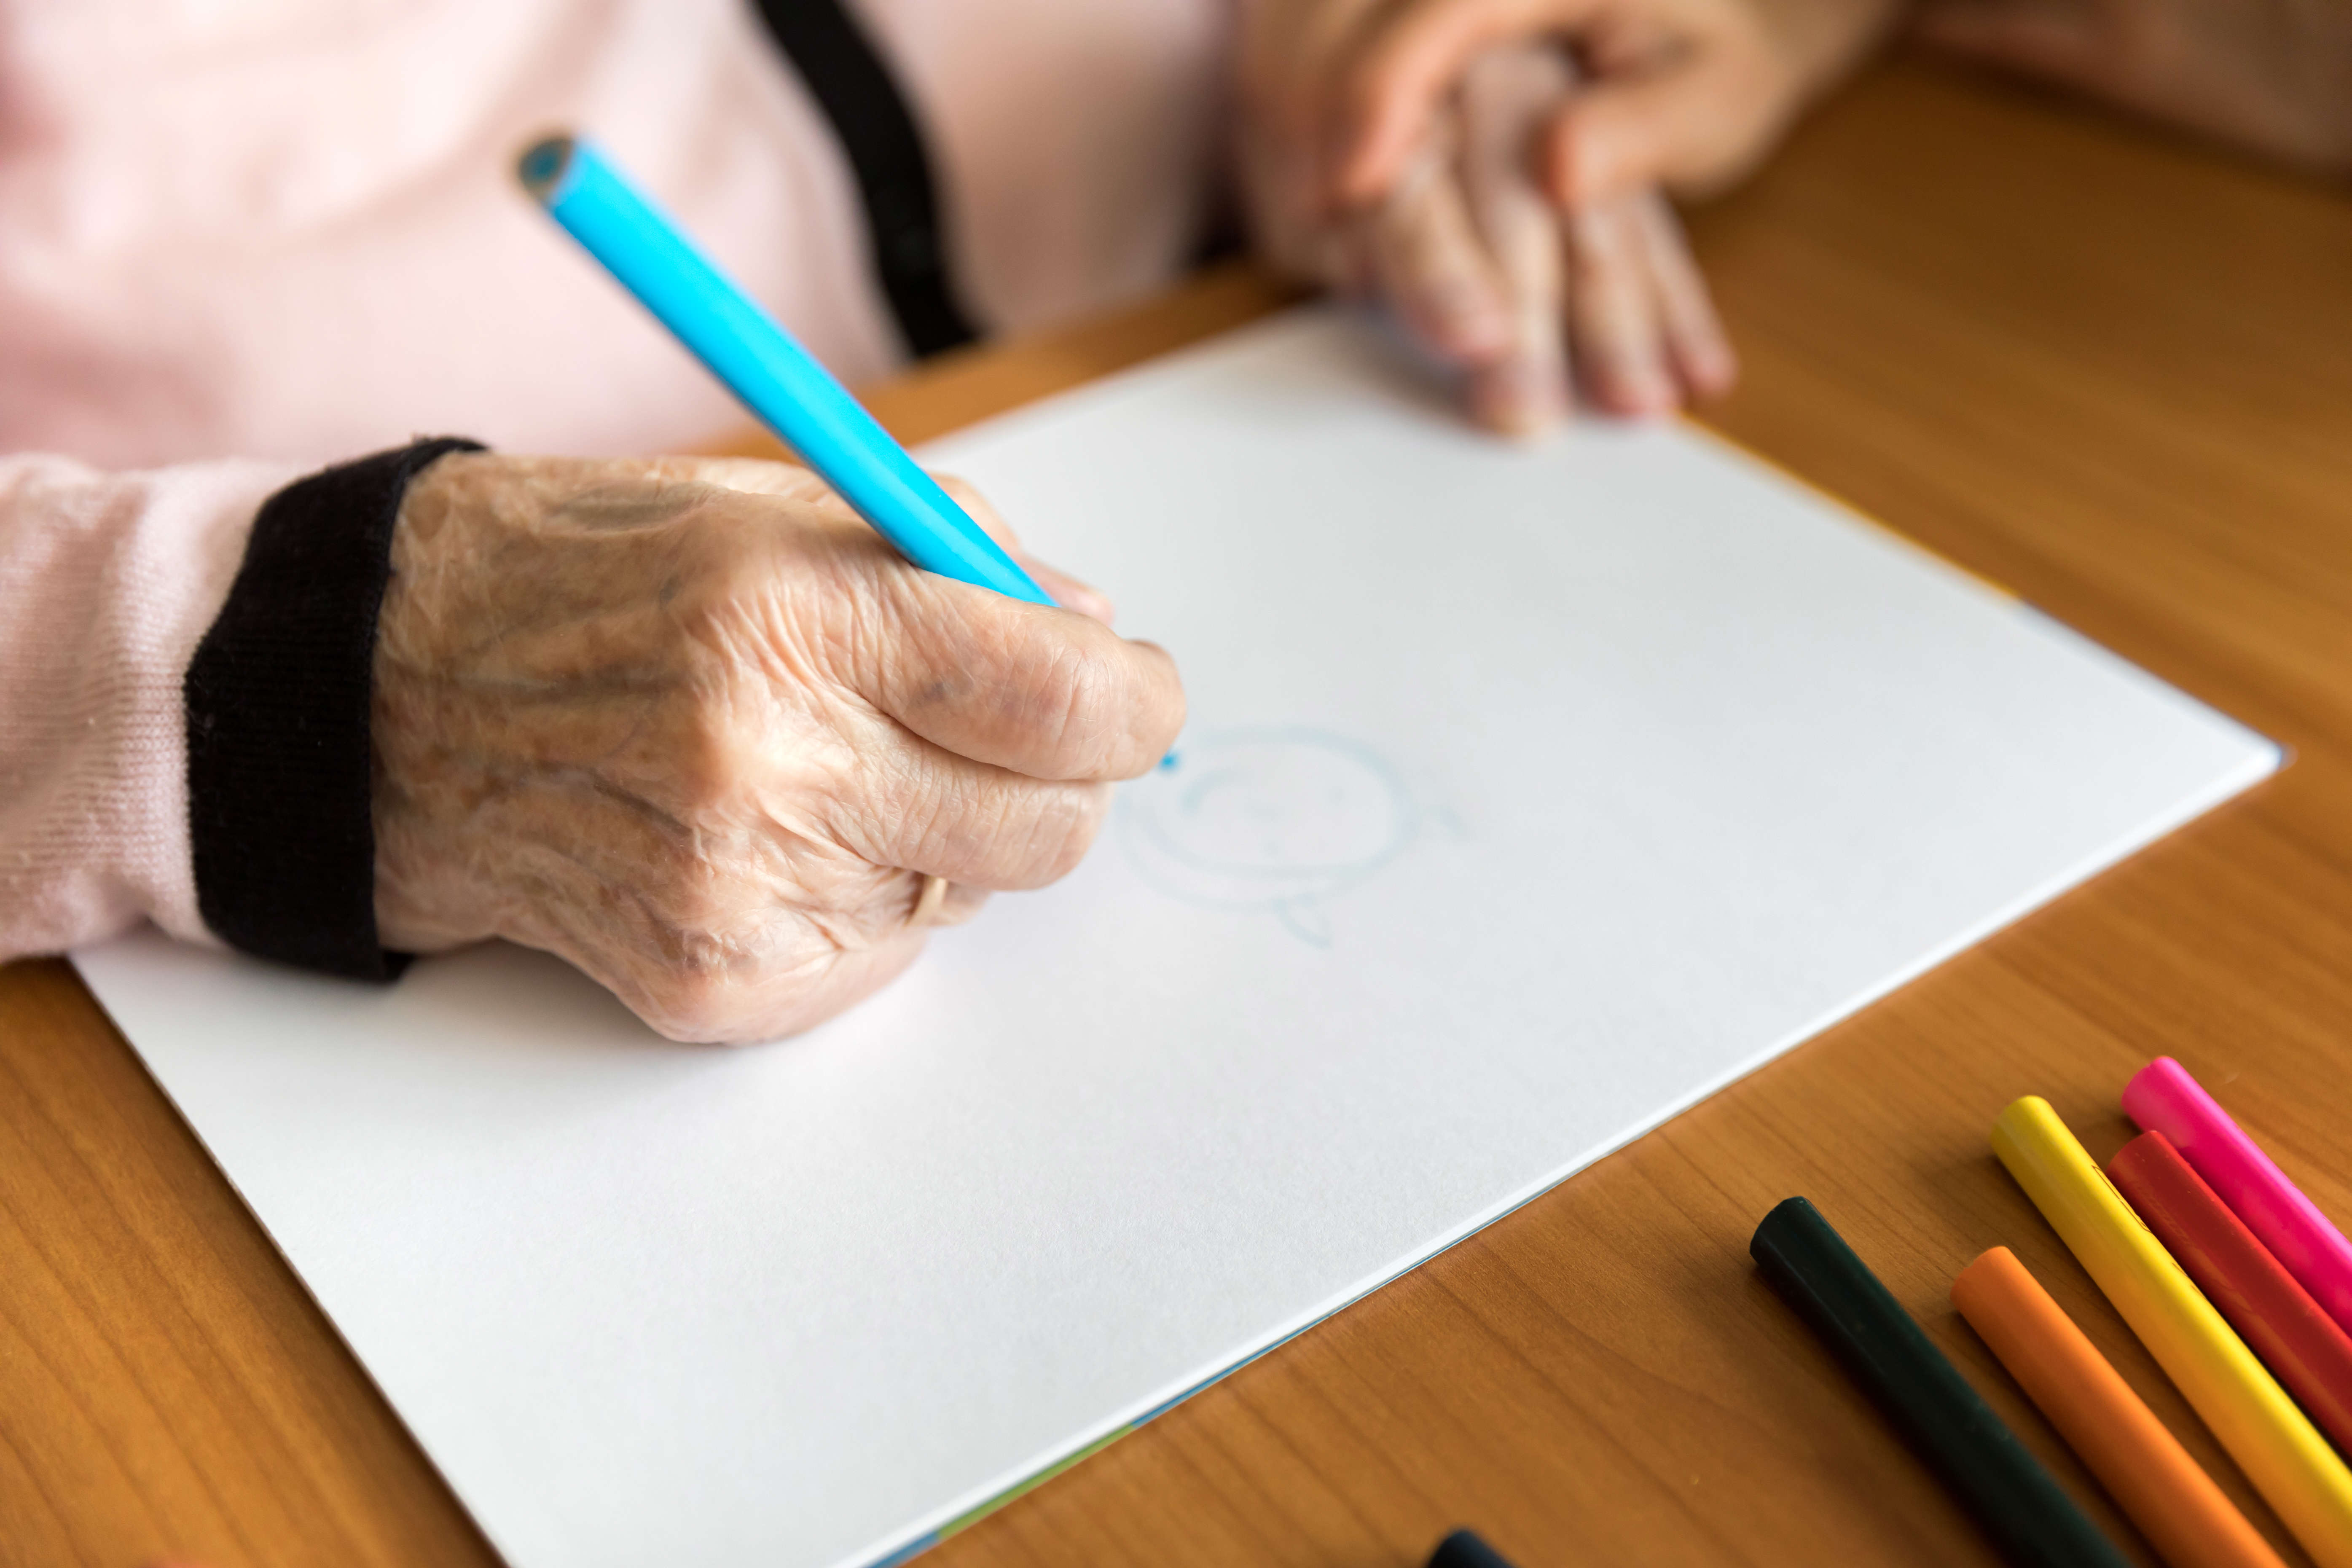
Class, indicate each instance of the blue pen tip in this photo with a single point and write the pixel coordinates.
(1168, 763)
(544, 164)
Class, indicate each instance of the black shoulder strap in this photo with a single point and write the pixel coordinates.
(878, 131)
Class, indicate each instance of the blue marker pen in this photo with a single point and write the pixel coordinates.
(759, 362)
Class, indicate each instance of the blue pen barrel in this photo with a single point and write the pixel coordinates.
(756, 359)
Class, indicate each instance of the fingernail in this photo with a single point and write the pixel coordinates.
(1519, 398)
(1638, 393)
(1714, 370)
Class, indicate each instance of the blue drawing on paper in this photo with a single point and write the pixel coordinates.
(1278, 821)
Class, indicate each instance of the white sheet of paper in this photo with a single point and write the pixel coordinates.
(1529, 796)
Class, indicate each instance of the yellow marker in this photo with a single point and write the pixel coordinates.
(2277, 1447)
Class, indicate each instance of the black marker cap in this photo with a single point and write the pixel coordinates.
(1463, 1549)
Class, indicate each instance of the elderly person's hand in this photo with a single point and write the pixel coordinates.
(2273, 76)
(693, 726)
(1526, 298)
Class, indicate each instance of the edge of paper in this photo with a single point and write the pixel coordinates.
(2264, 758)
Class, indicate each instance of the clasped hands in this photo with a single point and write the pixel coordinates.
(1495, 172)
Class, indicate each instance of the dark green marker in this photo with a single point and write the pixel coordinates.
(1464, 1549)
(2021, 1505)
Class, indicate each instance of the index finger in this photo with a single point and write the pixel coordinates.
(1066, 591)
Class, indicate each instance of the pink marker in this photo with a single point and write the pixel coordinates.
(2162, 1098)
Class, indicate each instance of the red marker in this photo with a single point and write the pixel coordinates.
(2162, 1098)
(2295, 1337)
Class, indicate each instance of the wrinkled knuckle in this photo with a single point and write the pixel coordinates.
(699, 890)
(724, 561)
(708, 753)
(1081, 717)
(1072, 829)
(715, 598)
(692, 1002)
(865, 795)
(1045, 831)
(941, 828)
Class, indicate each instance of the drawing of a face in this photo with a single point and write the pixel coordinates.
(1273, 820)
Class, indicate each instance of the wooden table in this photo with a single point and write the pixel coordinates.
(2109, 371)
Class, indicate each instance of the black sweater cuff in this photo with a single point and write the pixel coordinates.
(279, 756)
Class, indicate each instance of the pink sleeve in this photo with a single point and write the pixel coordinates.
(107, 583)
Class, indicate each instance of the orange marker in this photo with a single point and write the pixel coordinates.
(2143, 1467)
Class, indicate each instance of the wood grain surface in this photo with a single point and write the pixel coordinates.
(2109, 370)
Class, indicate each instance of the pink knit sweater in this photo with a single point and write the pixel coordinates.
(242, 239)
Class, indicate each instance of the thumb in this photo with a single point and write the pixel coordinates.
(1693, 127)
(1407, 68)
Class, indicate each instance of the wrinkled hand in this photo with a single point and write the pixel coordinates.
(1463, 245)
(693, 726)
(2273, 76)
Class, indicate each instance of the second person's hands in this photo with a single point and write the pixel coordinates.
(1529, 299)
